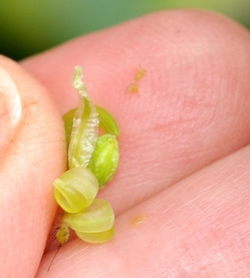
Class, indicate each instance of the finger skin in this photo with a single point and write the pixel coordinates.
(192, 109)
(34, 158)
(198, 228)
(193, 103)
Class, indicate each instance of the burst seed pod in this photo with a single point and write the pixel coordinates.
(98, 217)
(96, 237)
(84, 132)
(105, 159)
(75, 189)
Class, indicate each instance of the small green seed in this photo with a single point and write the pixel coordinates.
(105, 159)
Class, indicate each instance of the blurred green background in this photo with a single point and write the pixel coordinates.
(31, 26)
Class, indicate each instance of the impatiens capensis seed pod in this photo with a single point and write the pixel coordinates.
(92, 162)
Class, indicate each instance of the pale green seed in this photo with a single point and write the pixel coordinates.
(105, 159)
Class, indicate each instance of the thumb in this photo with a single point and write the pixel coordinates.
(10, 109)
(32, 155)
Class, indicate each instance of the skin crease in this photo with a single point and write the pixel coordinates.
(184, 169)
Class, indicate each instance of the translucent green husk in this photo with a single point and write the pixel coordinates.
(105, 159)
(98, 217)
(85, 126)
(75, 189)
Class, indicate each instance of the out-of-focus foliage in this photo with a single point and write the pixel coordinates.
(28, 26)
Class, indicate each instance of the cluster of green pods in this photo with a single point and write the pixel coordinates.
(92, 161)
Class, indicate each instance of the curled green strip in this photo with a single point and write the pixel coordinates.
(107, 121)
(68, 122)
(84, 132)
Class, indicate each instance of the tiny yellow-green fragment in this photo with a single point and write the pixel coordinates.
(98, 217)
(139, 74)
(63, 233)
(105, 159)
(75, 189)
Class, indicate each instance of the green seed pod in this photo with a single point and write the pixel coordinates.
(98, 217)
(85, 126)
(75, 189)
(107, 121)
(96, 237)
(105, 159)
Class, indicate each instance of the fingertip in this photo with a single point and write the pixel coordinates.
(191, 107)
(11, 110)
(35, 156)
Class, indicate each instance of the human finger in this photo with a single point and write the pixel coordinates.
(198, 228)
(34, 157)
(192, 105)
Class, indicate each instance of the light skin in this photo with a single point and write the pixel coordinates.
(181, 194)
